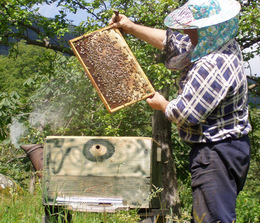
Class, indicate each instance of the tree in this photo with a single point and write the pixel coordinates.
(16, 81)
(9, 105)
(15, 70)
(249, 37)
(21, 20)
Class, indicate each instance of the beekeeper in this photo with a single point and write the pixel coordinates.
(211, 110)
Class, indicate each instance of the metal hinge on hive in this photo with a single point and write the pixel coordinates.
(97, 204)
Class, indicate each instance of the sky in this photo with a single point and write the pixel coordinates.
(51, 10)
(255, 66)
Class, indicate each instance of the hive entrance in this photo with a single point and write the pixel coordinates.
(112, 68)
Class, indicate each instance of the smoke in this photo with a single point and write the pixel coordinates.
(17, 130)
(51, 116)
(39, 118)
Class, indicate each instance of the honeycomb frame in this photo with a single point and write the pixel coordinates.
(112, 68)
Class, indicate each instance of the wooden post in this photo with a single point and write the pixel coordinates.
(162, 135)
(32, 180)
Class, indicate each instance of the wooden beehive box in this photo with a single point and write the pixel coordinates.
(112, 68)
(97, 174)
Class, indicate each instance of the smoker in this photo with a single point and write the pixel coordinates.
(35, 153)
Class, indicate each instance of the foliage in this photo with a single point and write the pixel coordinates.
(22, 16)
(16, 82)
(255, 133)
(247, 207)
(253, 179)
(20, 207)
(249, 37)
(14, 164)
(10, 105)
(67, 103)
(249, 27)
(16, 69)
(64, 90)
(21, 20)
(185, 192)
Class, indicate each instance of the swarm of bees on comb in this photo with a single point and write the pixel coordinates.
(112, 68)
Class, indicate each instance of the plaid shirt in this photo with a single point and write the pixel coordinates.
(212, 103)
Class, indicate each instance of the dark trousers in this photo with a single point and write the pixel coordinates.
(218, 173)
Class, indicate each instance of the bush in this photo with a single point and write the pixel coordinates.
(248, 208)
(15, 164)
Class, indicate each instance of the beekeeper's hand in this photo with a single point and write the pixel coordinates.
(153, 36)
(157, 102)
(121, 21)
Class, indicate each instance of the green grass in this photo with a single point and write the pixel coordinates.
(20, 206)
(17, 206)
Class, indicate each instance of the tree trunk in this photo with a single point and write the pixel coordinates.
(162, 135)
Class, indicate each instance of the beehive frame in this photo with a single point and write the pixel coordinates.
(112, 68)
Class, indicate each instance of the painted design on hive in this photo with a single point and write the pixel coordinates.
(97, 150)
(97, 157)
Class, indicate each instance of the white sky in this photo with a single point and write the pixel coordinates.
(255, 66)
(51, 10)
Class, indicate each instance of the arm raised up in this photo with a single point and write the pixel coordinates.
(152, 36)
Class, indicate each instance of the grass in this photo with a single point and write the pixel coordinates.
(18, 205)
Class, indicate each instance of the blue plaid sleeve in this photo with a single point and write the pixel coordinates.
(212, 104)
(203, 91)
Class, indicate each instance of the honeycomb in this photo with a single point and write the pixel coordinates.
(112, 68)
